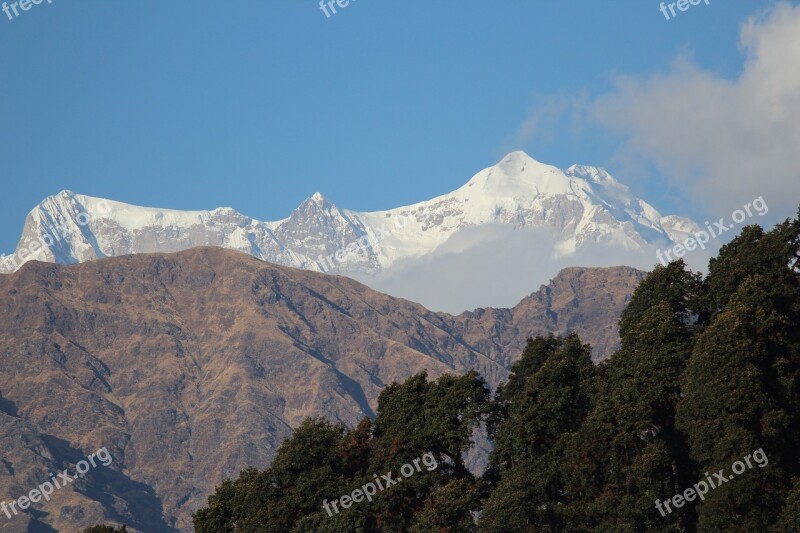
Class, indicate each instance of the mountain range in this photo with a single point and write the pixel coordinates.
(190, 366)
(190, 343)
(518, 203)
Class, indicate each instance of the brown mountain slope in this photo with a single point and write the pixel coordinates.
(586, 300)
(190, 366)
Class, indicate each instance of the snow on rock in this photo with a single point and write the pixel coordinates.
(578, 206)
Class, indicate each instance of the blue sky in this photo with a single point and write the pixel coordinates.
(257, 105)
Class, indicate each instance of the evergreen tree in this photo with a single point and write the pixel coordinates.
(419, 417)
(307, 469)
(628, 454)
(321, 462)
(672, 285)
(772, 255)
(734, 405)
(552, 401)
(548, 395)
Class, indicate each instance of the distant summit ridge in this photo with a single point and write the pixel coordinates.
(578, 206)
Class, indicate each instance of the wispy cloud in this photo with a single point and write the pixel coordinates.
(721, 140)
(551, 116)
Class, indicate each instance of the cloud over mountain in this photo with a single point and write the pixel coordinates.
(510, 228)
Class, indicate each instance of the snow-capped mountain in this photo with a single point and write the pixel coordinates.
(577, 206)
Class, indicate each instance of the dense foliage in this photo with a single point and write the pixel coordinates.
(323, 461)
(707, 373)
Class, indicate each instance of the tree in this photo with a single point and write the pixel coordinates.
(548, 395)
(772, 255)
(321, 462)
(306, 470)
(679, 289)
(418, 417)
(735, 403)
(628, 454)
(552, 401)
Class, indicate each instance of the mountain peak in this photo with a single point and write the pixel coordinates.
(518, 175)
(517, 155)
(579, 205)
(316, 200)
(520, 161)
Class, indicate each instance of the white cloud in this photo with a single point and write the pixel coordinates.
(496, 265)
(723, 141)
(551, 116)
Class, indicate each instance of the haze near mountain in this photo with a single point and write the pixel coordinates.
(511, 227)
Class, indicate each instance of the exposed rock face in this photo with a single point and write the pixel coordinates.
(189, 367)
(586, 300)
